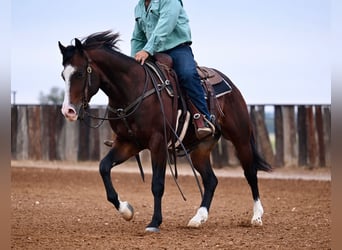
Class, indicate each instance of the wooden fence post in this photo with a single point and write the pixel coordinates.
(302, 136)
(254, 125)
(59, 120)
(320, 135)
(311, 138)
(279, 136)
(83, 141)
(14, 131)
(289, 127)
(327, 133)
(48, 132)
(94, 140)
(34, 142)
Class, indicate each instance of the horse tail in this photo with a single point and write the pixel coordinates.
(258, 161)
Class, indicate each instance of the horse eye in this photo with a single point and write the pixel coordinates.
(79, 74)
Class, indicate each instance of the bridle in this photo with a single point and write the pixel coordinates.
(87, 84)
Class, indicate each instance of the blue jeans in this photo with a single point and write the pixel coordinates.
(185, 66)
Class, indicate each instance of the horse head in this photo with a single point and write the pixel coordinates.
(81, 81)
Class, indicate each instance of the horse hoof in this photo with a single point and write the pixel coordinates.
(126, 210)
(152, 230)
(194, 224)
(200, 217)
(256, 222)
(258, 211)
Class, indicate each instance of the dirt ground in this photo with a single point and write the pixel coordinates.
(56, 208)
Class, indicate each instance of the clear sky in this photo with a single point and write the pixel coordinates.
(275, 51)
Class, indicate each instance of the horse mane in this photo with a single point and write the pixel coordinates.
(106, 39)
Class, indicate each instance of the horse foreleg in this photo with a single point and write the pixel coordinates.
(158, 183)
(106, 164)
(203, 166)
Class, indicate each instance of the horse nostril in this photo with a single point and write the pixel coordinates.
(71, 111)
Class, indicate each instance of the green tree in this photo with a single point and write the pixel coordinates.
(55, 97)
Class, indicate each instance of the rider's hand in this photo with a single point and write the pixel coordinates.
(141, 56)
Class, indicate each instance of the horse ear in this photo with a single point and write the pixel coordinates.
(61, 47)
(79, 45)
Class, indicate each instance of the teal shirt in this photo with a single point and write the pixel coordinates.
(163, 26)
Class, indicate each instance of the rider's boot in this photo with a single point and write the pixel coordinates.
(203, 126)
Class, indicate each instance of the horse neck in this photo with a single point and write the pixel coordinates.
(123, 78)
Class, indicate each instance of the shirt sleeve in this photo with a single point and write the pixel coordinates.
(169, 13)
(138, 40)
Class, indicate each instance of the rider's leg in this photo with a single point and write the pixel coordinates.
(185, 67)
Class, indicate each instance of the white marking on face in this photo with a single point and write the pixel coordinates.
(67, 73)
(68, 109)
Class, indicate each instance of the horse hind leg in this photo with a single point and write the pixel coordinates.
(258, 164)
(251, 162)
(202, 164)
(258, 210)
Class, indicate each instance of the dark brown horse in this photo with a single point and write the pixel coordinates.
(139, 114)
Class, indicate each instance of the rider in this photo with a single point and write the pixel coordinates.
(163, 26)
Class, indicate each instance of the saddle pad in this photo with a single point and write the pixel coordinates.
(220, 88)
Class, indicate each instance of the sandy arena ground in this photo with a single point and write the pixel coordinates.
(63, 206)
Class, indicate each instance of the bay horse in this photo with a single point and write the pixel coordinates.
(138, 122)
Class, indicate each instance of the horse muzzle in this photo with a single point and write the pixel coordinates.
(69, 112)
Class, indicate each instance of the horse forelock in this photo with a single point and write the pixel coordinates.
(68, 54)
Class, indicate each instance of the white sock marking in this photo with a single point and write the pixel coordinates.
(126, 210)
(258, 211)
(200, 217)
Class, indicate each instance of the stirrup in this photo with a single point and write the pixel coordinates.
(205, 131)
(210, 124)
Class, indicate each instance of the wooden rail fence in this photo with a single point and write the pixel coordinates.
(285, 135)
